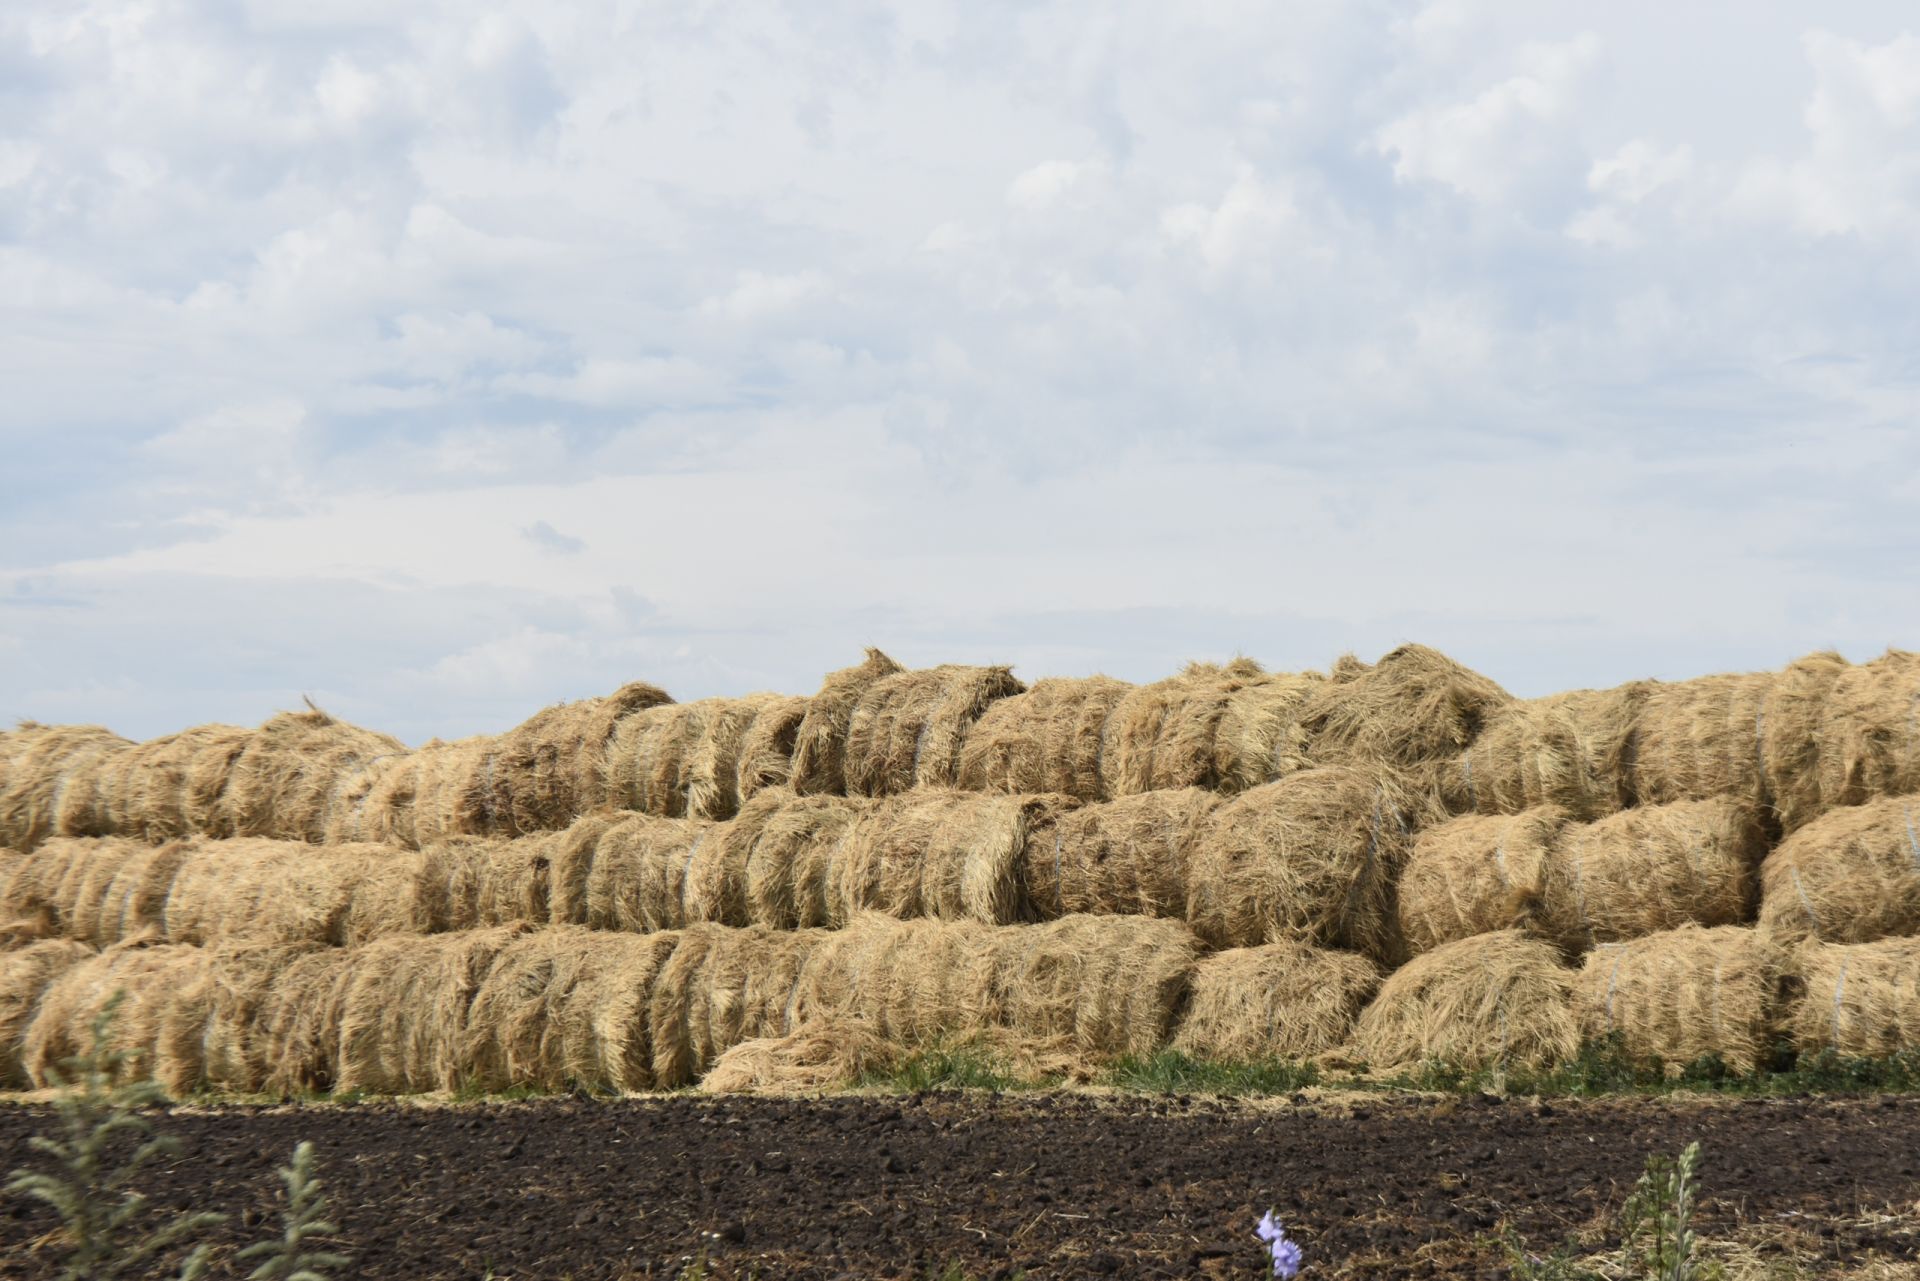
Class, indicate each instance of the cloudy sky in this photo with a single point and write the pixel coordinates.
(442, 367)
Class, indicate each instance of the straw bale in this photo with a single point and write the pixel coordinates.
(514, 1031)
(1280, 1001)
(915, 983)
(1569, 750)
(1049, 739)
(356, 817)
(296, 1025)
(938, 853)
(62, 1026)
(720, 755)
(570, 858)
(716, 886)
(650, 765)
(420, 798)
(1861, 1000)
(206, 1028)
(64, 887)
(819, 1056)
(638, 878)
(1262, 735)
(174, 786)
(1124, 857)
(51, 782)
(405, 1009)
(799, 841)
(766, 748)
(25, 974)
(1499, 999)
(1650, 869)
(268, 892)
(605, 1030)
(1851, 876)
(1166, 734)
(553, 767)
(1412, 707)
(136, 900)
(1109, 985)
(820, 747)
(720, 987)
(389, 892)
(908, 729)
(1870, 731)
(286, 782)
(1682, 994)
(1476, 874)
(1312, 858)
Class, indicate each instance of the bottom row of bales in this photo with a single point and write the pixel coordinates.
(565, 1007)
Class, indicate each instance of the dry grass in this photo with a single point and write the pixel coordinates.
(552, 768)
(1477, 874)
(1859, 999)
(1413, 707)
(293, 772)
(1870, 731)
(50, 782)
(1052, 738)
(1568, 750)
(909, 729)
(1124, 857)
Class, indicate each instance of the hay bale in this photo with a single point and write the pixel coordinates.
(947, 854)
(405, 1009)
(553, 767)
(1263, 736)
(420, 798)
(1476, 874)
(62, 1026)
(206, 1028)
(715, 790)
(908, 729)
(296, 1024)
(1682, 994)
(1861, 1000)
(767, 746)
(1049, 739)
(66, 889)
(1311, 858)
(638, 880)
(570, 858)
(1414, 706)
(651, 763)
(1494, 1000)
(722, 986)
(1123, 857)
(268, 892)
(798, 842)
(716, 886)
(915, 983)
(287, 780)
(514, 1033)
(175, 786)
(1568, 750)
(52, 782)
(1650, 869)
(1166, 735)
(820, 746)
(25, 974)
(817, 1057)
(605, 1029)
(1852, 876)
(357, 817)
(1108, 985)
(1870, 731)
(1280, 1001)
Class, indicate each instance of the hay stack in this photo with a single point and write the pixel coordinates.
(1861, 1000)
(766, 748)
(820, 747)
(1677, 996)
(553, 768)
(1650, 869)
(1870, 731)
(175, 786)
(1493, 1000)
(1123, 857)
(1476, 874)
(1049, 739)
(1280, 1001)
(405, 1009)
(51, 785)
(1851, 876)
(947, 854)
(908, 729)
(25, 974)
(1413, 707)
(289, 778)
(1311, 858)
(798, 842)
(1568, 750)
(721, 987)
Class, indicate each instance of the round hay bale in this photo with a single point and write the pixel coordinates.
(1870, 731)
(1109, 985)
(419, 798)
(286, 782)
(356, 817)
(1861, 1000)
(1852, 876)
(1262, 736)
(296, 1023)
(553, 767)
(947, 854)
(514, 1033)
(1682, 994)
(266, 892)
(136, 901)
(1126, 857)
(1412, 707)
(820, 746)
(570, 858)
(405, 1009)
(766, 748)
(1280, 1001)
(62, 1025)
(1494, 1000)
(715, 792)
(716, 888)
(1166, 735)
(25, 974)
(1476, 874)
(1568, 750)
(604, 1026)
(51, 785)
(1650, 869)
(720, 987)
(239, 980)
(389, 892)
(171, 787)
(908, 729)
(1311, 858)
(915, 983)
(798, 842)
(638, 881)
(651, 763)
(1048, 739)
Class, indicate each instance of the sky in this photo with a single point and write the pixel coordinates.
(441, 362)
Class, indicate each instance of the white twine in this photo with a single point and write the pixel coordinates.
(1059, 899)
(1839, 986)
(1500, 860)
(1806, 904)
(1619, 955)
(487, 807)
(1718, 966)
(920, 745)
(1580, 888)
(1913, 838)
(686, 870)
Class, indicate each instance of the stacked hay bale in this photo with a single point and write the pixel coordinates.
(1852, 876)
(1571, 751)
(1050, 739)
(1684, 994)
(686, 760)
(291, 776)
(908, 729)
(51, 782)
(1859, 1000)
(1279, 1001)
(1498, 1000)
(820, 745)
(554, 767)
(1127, 857)
(1869, 733)
(1226, 728)
(1412, 709)
(174, 786)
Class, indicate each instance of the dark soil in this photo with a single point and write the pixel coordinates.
(1060, 1185)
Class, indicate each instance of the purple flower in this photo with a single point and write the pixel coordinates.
(1286, 1253)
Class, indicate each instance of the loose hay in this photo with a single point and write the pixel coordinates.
(908, 729)
(1650, 869)
(1570, 750)
(1476, 874)
(553, 768)
(1311, 858)
(288, 779)
(1123, 857)
(1851, 876)
(944, 854)
(820, 747)
(51, 785)
(1493, 1000)
(1049, 739)
(767, 747)
(1413, 707)
(1280, 1001)
(1683, 994)
(1870, 731)
(817, 1057)
(1859, 1000)
(25, 974)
